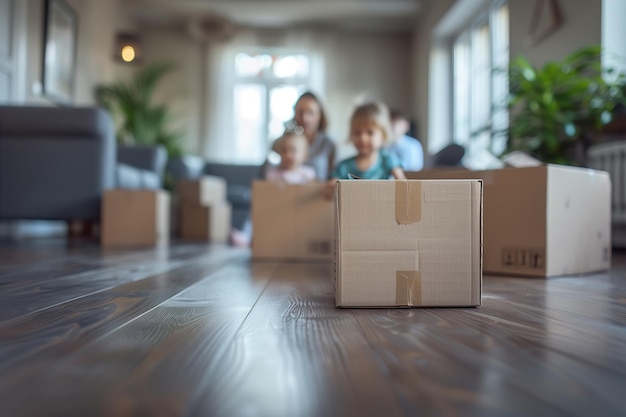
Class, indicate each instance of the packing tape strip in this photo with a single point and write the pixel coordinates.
(408, 288)
(408, 202)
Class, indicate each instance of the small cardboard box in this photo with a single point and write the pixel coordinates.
(542, 221)
(210, 224)
(205, 191)
(292, 222)
(408, 243)
(135, 218)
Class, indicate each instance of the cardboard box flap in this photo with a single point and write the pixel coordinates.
(372, 208)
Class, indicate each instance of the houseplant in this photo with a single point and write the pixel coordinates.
(557, 110)
(140, 121)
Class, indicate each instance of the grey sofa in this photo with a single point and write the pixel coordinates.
(55, 163)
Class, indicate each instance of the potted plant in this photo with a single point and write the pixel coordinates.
(557, 110)
(140, 121)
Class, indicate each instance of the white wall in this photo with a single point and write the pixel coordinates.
(364, 67)
(183, 89)
(582, 26)
(98, 21)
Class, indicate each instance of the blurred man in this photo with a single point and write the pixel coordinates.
(407, 148)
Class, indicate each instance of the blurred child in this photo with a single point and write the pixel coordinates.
(407, 148)
(292, 147)
(370, 131)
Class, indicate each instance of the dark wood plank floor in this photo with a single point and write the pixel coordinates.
(198, 330)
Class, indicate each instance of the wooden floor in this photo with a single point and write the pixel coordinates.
(201, 331)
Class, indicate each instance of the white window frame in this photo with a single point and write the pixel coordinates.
(489, 131)
(269, 83)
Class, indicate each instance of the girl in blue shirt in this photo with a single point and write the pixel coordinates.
(370, 130)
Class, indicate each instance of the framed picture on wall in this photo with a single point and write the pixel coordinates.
(59, 51)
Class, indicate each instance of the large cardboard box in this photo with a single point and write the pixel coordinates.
(292, 222)
(542, 221)
(210, 224)
(408, 243)
(135, 218)
(205, 191)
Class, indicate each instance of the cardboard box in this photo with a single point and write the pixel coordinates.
(542, 221)
(135, 218)
(204, 191)
(408, 243)
(210, 224)
(292, 222)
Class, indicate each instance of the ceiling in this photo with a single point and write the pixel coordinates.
(370, 15)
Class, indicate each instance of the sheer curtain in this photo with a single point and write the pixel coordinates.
(220, 143)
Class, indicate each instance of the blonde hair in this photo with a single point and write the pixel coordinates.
(378, 113)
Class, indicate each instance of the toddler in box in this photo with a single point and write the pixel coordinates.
(292, 147)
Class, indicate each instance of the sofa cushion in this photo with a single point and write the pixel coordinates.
(150, 180)
(131, 178)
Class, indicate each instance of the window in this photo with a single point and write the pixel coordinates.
(266, 89)
(480, 60)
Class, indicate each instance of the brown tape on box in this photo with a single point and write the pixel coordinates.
(408, 288)
(408, 201)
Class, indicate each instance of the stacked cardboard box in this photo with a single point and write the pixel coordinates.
(408, 243)
(204, 212)
(292, 222)
(542, 221)
(135, 218)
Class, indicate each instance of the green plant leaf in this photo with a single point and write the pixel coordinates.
(560, 104)
(139, 120)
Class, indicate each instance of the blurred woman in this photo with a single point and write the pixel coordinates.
(310, 115)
